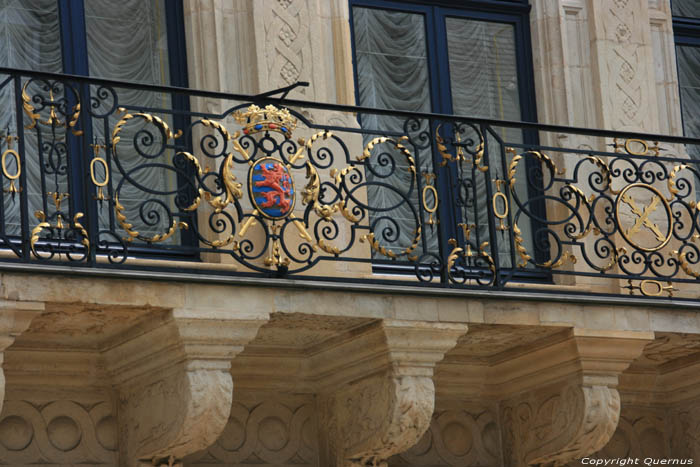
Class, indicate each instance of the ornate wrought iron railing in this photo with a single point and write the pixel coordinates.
(105, 174)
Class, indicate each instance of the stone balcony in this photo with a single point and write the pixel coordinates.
(289, 283)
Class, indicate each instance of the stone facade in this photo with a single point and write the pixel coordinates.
(119, 372)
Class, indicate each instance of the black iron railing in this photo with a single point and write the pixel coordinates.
(107, 174)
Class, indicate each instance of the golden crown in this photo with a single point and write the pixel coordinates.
(255, 120)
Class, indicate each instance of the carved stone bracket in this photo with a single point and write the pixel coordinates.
(15, 318)
(175, 389)
(383, 395)
(570, 405)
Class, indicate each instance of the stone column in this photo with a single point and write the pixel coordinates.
(15, 318)
(378, 395)
(172, 377)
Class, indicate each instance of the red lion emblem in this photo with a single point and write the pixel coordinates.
(277, 179)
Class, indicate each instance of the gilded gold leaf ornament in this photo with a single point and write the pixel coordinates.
(459, 156)
(376, 246)
(367, 152)
(331, 249)
(542, 157)
(35, 235)
(53, 119)
(492, 265)
(452, 258)
(29, 108)
(685, 264)
(671, 180)
(519, 246)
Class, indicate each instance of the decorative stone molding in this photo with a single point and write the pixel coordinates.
(175, 389)
(457, 437)
(556, 425)
(683, 428)
(15, 318)
(570, 407)
(62, 432)
(280, 430)
(640, 433)
(384, 397)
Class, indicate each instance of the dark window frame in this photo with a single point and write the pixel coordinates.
(75, 62)
(686, 32)
(514, 12)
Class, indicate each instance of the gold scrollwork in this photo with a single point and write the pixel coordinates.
(517, 233)
(685, 265)
(367, 152)
(459, 251)
(119, 208)
(542, 157)
(132, 234)
(53, 119)
(43, 224)
(376, 246)
(459, 156)
(525, 256)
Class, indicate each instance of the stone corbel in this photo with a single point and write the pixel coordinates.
(175, 389)
(563, 403)
(381, 397)
(15, 318)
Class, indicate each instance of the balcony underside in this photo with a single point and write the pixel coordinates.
(93, 362)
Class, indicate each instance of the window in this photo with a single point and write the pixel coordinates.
(468, 58)
(128, 40)
(686, 27)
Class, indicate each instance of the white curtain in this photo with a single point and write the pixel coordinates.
(31, 40)
(484, 83)
(689, 79)
(393, 73)
(127, 40)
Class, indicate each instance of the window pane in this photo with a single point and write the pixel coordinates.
(31, 40)
(392, 73)
(30, 34)
(483, 69)
(127, 40)
(392, 63)
(484, 83)
(689, 80)
(686, 8)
